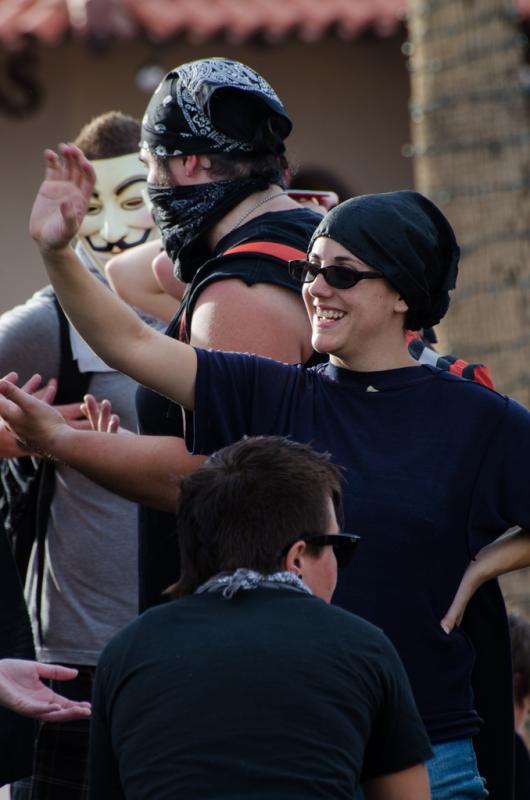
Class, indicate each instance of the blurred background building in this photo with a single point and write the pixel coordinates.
(337, 65)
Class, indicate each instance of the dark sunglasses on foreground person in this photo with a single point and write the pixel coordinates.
(343, 544)
(335, 275)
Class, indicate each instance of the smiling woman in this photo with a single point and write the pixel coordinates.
(359, 324)
(434, 465)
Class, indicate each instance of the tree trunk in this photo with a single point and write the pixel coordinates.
(471, 147)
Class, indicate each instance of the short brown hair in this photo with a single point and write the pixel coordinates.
(266, 167)
(247, 502)
(108, 136)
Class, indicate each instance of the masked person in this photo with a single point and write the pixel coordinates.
(118, 218)
(435, 465)
(213, 143)
(81, 584)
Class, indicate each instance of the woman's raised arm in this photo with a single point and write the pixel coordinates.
(109, 326)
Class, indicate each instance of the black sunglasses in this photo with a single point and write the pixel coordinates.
(343, 544)
(335, 275)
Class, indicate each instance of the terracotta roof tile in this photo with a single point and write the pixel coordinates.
(47, 20)
(199, 20)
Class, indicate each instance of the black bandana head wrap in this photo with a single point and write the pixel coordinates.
(406, 238)
(214, 105)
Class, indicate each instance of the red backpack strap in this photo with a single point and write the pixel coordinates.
(473, 372)
(282, 251)
(183, 331)
(420, 349)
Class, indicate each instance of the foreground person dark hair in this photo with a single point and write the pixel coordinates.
(276, 503)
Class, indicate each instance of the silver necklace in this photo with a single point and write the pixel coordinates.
(260, 203)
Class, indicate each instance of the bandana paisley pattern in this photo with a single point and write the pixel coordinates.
(244, 579)
(184, 214)
(177, 121)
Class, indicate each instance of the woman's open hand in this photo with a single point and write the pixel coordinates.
(63, 198)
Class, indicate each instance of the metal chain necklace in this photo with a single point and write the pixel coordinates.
(260, 203)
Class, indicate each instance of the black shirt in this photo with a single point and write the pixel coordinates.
(268, 695)
(522, 770)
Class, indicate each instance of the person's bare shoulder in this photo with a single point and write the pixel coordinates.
(264, 319)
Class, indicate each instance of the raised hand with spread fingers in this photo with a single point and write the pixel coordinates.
(63, 198)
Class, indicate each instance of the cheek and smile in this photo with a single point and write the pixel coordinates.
(359, 327)
(329, 308)
(325, 313)
(326, 316)
(343, 321)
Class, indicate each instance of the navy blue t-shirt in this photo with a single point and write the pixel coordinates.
(435, 468)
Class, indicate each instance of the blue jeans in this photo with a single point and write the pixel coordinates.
(453, 772)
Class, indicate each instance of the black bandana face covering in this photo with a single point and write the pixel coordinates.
(185, 214)
(214, 105)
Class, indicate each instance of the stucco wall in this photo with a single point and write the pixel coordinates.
(348, 101)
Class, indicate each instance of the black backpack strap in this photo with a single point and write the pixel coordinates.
(72, 385)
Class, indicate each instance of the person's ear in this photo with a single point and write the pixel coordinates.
(197, 167)
(191, 166)
(400, 305)
(294, 560)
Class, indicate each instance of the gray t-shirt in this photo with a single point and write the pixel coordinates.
(90, 578)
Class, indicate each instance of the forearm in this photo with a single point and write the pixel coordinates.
(409, 784)
(8, 445)
(506, 554)
(117, 334)
(144, 469)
